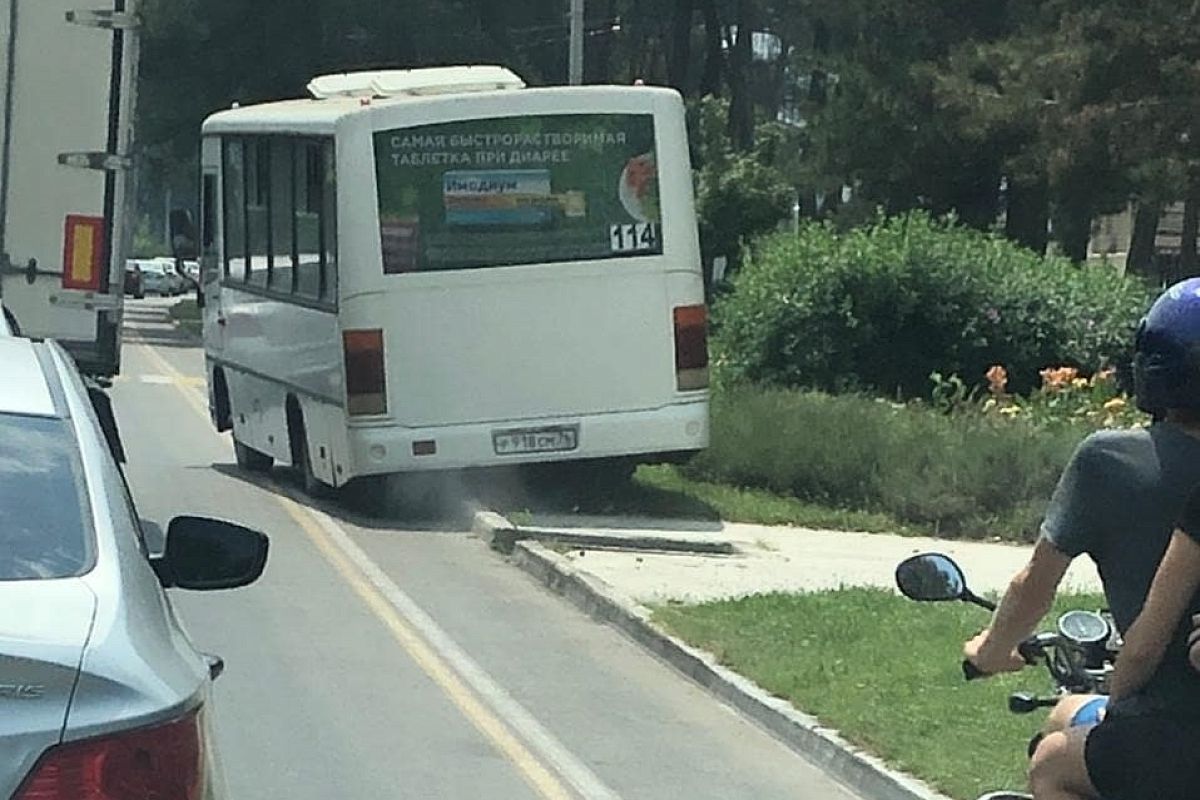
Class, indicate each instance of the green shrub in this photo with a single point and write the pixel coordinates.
(739, 195)
(738, 200)
(960, 475)
(881, 308)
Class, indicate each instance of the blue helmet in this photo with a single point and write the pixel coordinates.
(1166, 361)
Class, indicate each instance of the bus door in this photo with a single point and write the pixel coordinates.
(211, 260)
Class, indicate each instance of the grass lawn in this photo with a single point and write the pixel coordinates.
(663, 491)
(884, 671)
(665, 486)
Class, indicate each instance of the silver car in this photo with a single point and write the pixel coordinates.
(157, 278)
(101, 693)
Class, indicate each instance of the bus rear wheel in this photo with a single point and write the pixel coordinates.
(301, 461)
(601, 477)
(408, 495)
(250, 459)
(313, 487)
(585, 481)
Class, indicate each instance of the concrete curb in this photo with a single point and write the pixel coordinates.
(861, 772)
(502, 535)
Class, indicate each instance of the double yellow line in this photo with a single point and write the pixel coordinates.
(536, 774)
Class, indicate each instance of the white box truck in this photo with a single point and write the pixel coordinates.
(67, 82)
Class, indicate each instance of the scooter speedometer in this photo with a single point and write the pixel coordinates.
(1083, 627)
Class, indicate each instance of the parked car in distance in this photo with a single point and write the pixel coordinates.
(191, 270)
(133, 280)
(103, 693)
(179, 281)
(155, 278)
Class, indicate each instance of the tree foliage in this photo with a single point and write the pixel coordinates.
(1030, 111)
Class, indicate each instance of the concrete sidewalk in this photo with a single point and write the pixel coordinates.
(614, 568)
(771, 558)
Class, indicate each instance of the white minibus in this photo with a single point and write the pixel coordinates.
(442, 269)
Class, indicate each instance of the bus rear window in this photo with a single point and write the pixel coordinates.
(517, 190)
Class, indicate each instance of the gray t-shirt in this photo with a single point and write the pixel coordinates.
(1119, 500)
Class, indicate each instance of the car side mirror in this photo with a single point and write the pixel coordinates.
(206, 554)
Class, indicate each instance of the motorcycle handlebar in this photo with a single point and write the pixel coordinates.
(1031, 650)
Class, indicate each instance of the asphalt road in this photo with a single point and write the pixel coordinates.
(378, 661)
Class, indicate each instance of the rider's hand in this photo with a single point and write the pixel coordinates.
(990, 660)
(1194, 643)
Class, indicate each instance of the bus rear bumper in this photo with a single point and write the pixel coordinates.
(651, 436)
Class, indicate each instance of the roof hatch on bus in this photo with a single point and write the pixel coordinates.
(414, 82)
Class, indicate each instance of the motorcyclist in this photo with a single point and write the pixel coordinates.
(1118, 501)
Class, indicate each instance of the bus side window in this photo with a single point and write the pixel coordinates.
(258, 198)
(329, 228)
(282, 214)
(234, 178)
(308, 220)
(208, 215)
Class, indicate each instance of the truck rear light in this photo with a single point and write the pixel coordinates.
(164, 762)
(366, 380)
(691, 348)
(83, 252)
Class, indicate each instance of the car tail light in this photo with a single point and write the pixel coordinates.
(691, 348)
(164, 762)
(366, 381)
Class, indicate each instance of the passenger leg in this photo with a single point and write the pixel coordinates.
(1058, 770)
(1062, 716)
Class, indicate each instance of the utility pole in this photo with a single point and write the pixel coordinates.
(167, 215)
(575, 76)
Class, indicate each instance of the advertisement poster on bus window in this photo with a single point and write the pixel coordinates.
(518, 190)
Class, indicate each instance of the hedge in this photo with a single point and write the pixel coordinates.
(880, 308)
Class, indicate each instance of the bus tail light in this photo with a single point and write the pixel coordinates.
(83, 252)
(691, 348)
(161, 761)
(366, 382)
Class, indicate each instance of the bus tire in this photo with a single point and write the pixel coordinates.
(301, 462)
(313, 486)
(223, 410)
(601, 477)
(250, 459)
(416, 495)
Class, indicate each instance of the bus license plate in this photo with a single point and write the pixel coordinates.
(556, 439)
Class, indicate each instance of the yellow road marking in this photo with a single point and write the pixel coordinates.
(536, 774)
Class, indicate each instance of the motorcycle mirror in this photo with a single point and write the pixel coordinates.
(931, 577)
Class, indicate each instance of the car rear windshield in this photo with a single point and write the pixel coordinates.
(44, 531)
(517, 190)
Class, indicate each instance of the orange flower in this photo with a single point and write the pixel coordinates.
(997, 378)
(1058, 378)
